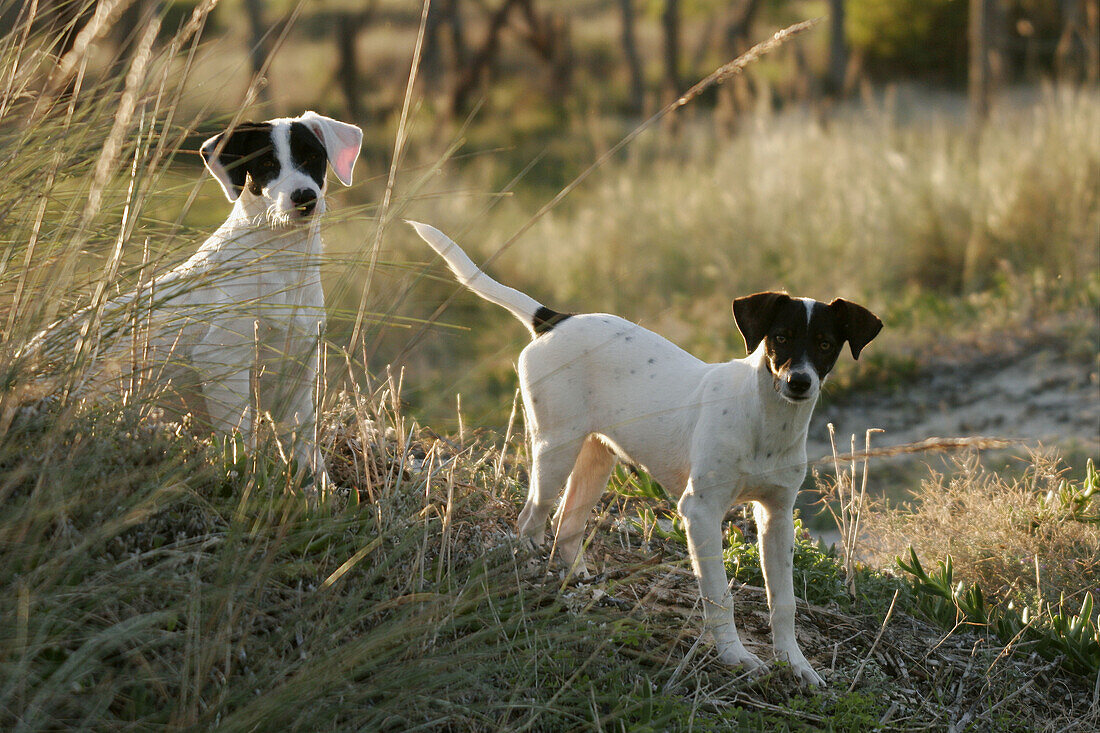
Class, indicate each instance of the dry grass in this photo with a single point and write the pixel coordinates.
(1011, 535)
(893, 207)
(152, 576)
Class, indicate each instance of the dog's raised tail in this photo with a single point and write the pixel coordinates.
(538, 318)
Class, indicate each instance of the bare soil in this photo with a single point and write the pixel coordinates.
(1042, 392)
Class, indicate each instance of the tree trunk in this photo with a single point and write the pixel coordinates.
(670, 21)
(1092, 41)
(739, 28)
(470, 75)
(347, 30)
(838, 48)
(260, 45)
(459, 52)
(1077, 54)
(978, 81)
(633, 60)
(739, 94)
(549, 36)
(431, 59)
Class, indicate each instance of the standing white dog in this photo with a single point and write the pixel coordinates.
(242, 318)
(597, 388)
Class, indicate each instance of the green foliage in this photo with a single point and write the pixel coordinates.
(1080, 502)
(921, 36)
(1052, 631)
(637, 484)
(152, 579)
(818, 577)
(831, 710)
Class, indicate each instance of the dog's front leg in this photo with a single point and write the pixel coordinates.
(228, 404)
(300, 426)
(775, 525)
(224, 369)
(703, 522)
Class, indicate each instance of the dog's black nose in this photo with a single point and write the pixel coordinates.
(798, 383)
(305, 200)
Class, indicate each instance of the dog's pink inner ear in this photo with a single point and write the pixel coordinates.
(344, 163)
(341, 140)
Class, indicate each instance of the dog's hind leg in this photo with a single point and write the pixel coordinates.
(586, 483)
(550, 466)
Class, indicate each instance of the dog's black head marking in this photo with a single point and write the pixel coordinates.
(249, 157)
(308, 153)
(799, 334)
(253, 154)
(282, 165)
(247, 153)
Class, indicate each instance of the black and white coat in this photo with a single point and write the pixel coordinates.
(597, 388)
(249, 302)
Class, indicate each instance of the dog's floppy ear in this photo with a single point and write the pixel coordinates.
(341, 140)
(754, 315)
(858, 325)
(231, 177)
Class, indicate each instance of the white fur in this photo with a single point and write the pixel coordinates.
(246, 309)
(714, 435)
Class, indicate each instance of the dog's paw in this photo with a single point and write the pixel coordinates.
(736, 655)
(808, 676)
(803, 672)
(577, 573)
(527, 543)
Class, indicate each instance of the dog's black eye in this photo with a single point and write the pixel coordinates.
(780, 338)
(825, 346)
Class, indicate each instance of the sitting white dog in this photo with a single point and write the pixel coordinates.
(241, 319)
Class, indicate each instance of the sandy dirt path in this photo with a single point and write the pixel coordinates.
(1037, 392)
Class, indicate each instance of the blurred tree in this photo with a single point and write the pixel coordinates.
(547, 34)
(670, 22)
(347, 27)
(909, 37)
(738, 27)
(445, 52)
(978, 76)
(459, 51)
(1024, 39)
(633, 60)
(259, 47)
(431, 59)
(1078, 47)
(470, 75)
(838, 48)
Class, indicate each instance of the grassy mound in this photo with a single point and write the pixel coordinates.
(154, 577)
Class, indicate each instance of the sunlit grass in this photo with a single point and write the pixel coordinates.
(153, 575)
(899, 210)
